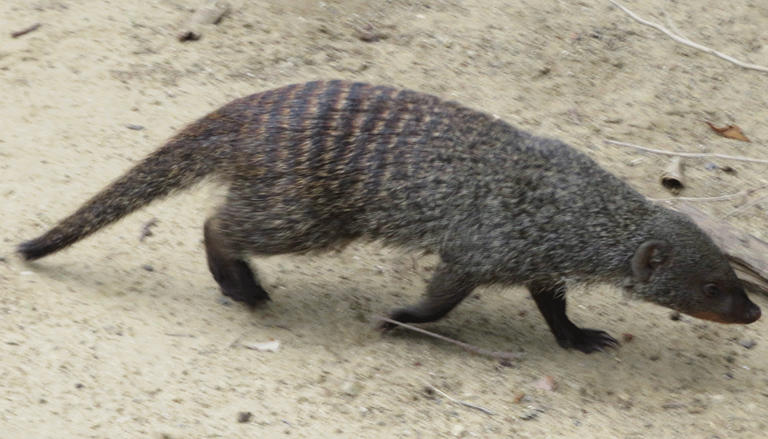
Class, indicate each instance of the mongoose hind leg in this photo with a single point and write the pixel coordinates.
(233, 274)
(550, 298)
(448, 287)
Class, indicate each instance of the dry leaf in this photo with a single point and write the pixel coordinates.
(269, 346)
(730, 131)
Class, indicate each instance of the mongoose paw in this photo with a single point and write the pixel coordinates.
(251, 297)
(239, 283)
(589, 340)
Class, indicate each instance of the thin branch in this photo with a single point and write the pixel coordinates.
(690, 43)
(466, 404)
(26, 30)
(740, 194)
(469, 347)
(687, 154)
(745, 207)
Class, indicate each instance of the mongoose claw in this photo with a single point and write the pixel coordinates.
(589, 340)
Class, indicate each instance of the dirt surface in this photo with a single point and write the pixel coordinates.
(117, 338)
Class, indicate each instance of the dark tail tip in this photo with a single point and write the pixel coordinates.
(38, 248)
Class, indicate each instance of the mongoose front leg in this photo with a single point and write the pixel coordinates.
(550, 298)
(448, 287)
(233, 275)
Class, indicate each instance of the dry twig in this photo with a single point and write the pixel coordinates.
(739, 194)
(690, 43)
(26, 30)
(466, 404)
(687, 154)
(466, 346)
(744, 207)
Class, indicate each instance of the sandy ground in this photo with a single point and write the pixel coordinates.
(115, 338)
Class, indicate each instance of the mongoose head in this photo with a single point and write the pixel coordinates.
(681, 268)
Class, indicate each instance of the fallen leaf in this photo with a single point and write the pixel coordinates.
(730, 131)
(546, 383)
(269, 346)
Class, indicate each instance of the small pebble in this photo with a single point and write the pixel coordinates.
(627, 337)
(674, 316)
(709, 166)
(748, 343)
(351, 388)
(244, 417)
(134, 127)
(79, 386)
(530, 415)
(458, 430)
(148, 267)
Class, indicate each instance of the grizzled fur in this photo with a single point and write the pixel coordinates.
(311, 165)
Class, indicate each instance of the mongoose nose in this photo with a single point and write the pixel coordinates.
(754, 314)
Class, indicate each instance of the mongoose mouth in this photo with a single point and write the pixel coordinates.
(752, 316)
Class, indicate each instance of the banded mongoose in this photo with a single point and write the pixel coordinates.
(311, 165)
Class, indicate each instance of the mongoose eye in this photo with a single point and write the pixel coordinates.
(712, 290)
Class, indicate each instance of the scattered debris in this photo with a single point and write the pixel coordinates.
(146, 229)
(244, 417)
(351, 388)
(466, 404)
(748, 343)
(134, 127)
(210, 12)
(672, 405)
(148, 267)
(370, 34)
(533, 414)
(518, 397)
(673, 178)
(458, 430)
(269, 346)
(26, 30)
(730, 132)
(546, 383)
(627, 337)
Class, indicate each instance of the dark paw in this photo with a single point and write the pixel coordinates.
(238, 283)
(589, 340)
(252, 296)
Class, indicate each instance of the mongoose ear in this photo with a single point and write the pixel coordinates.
(648, 257)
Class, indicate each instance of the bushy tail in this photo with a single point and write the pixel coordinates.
(185, 160)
